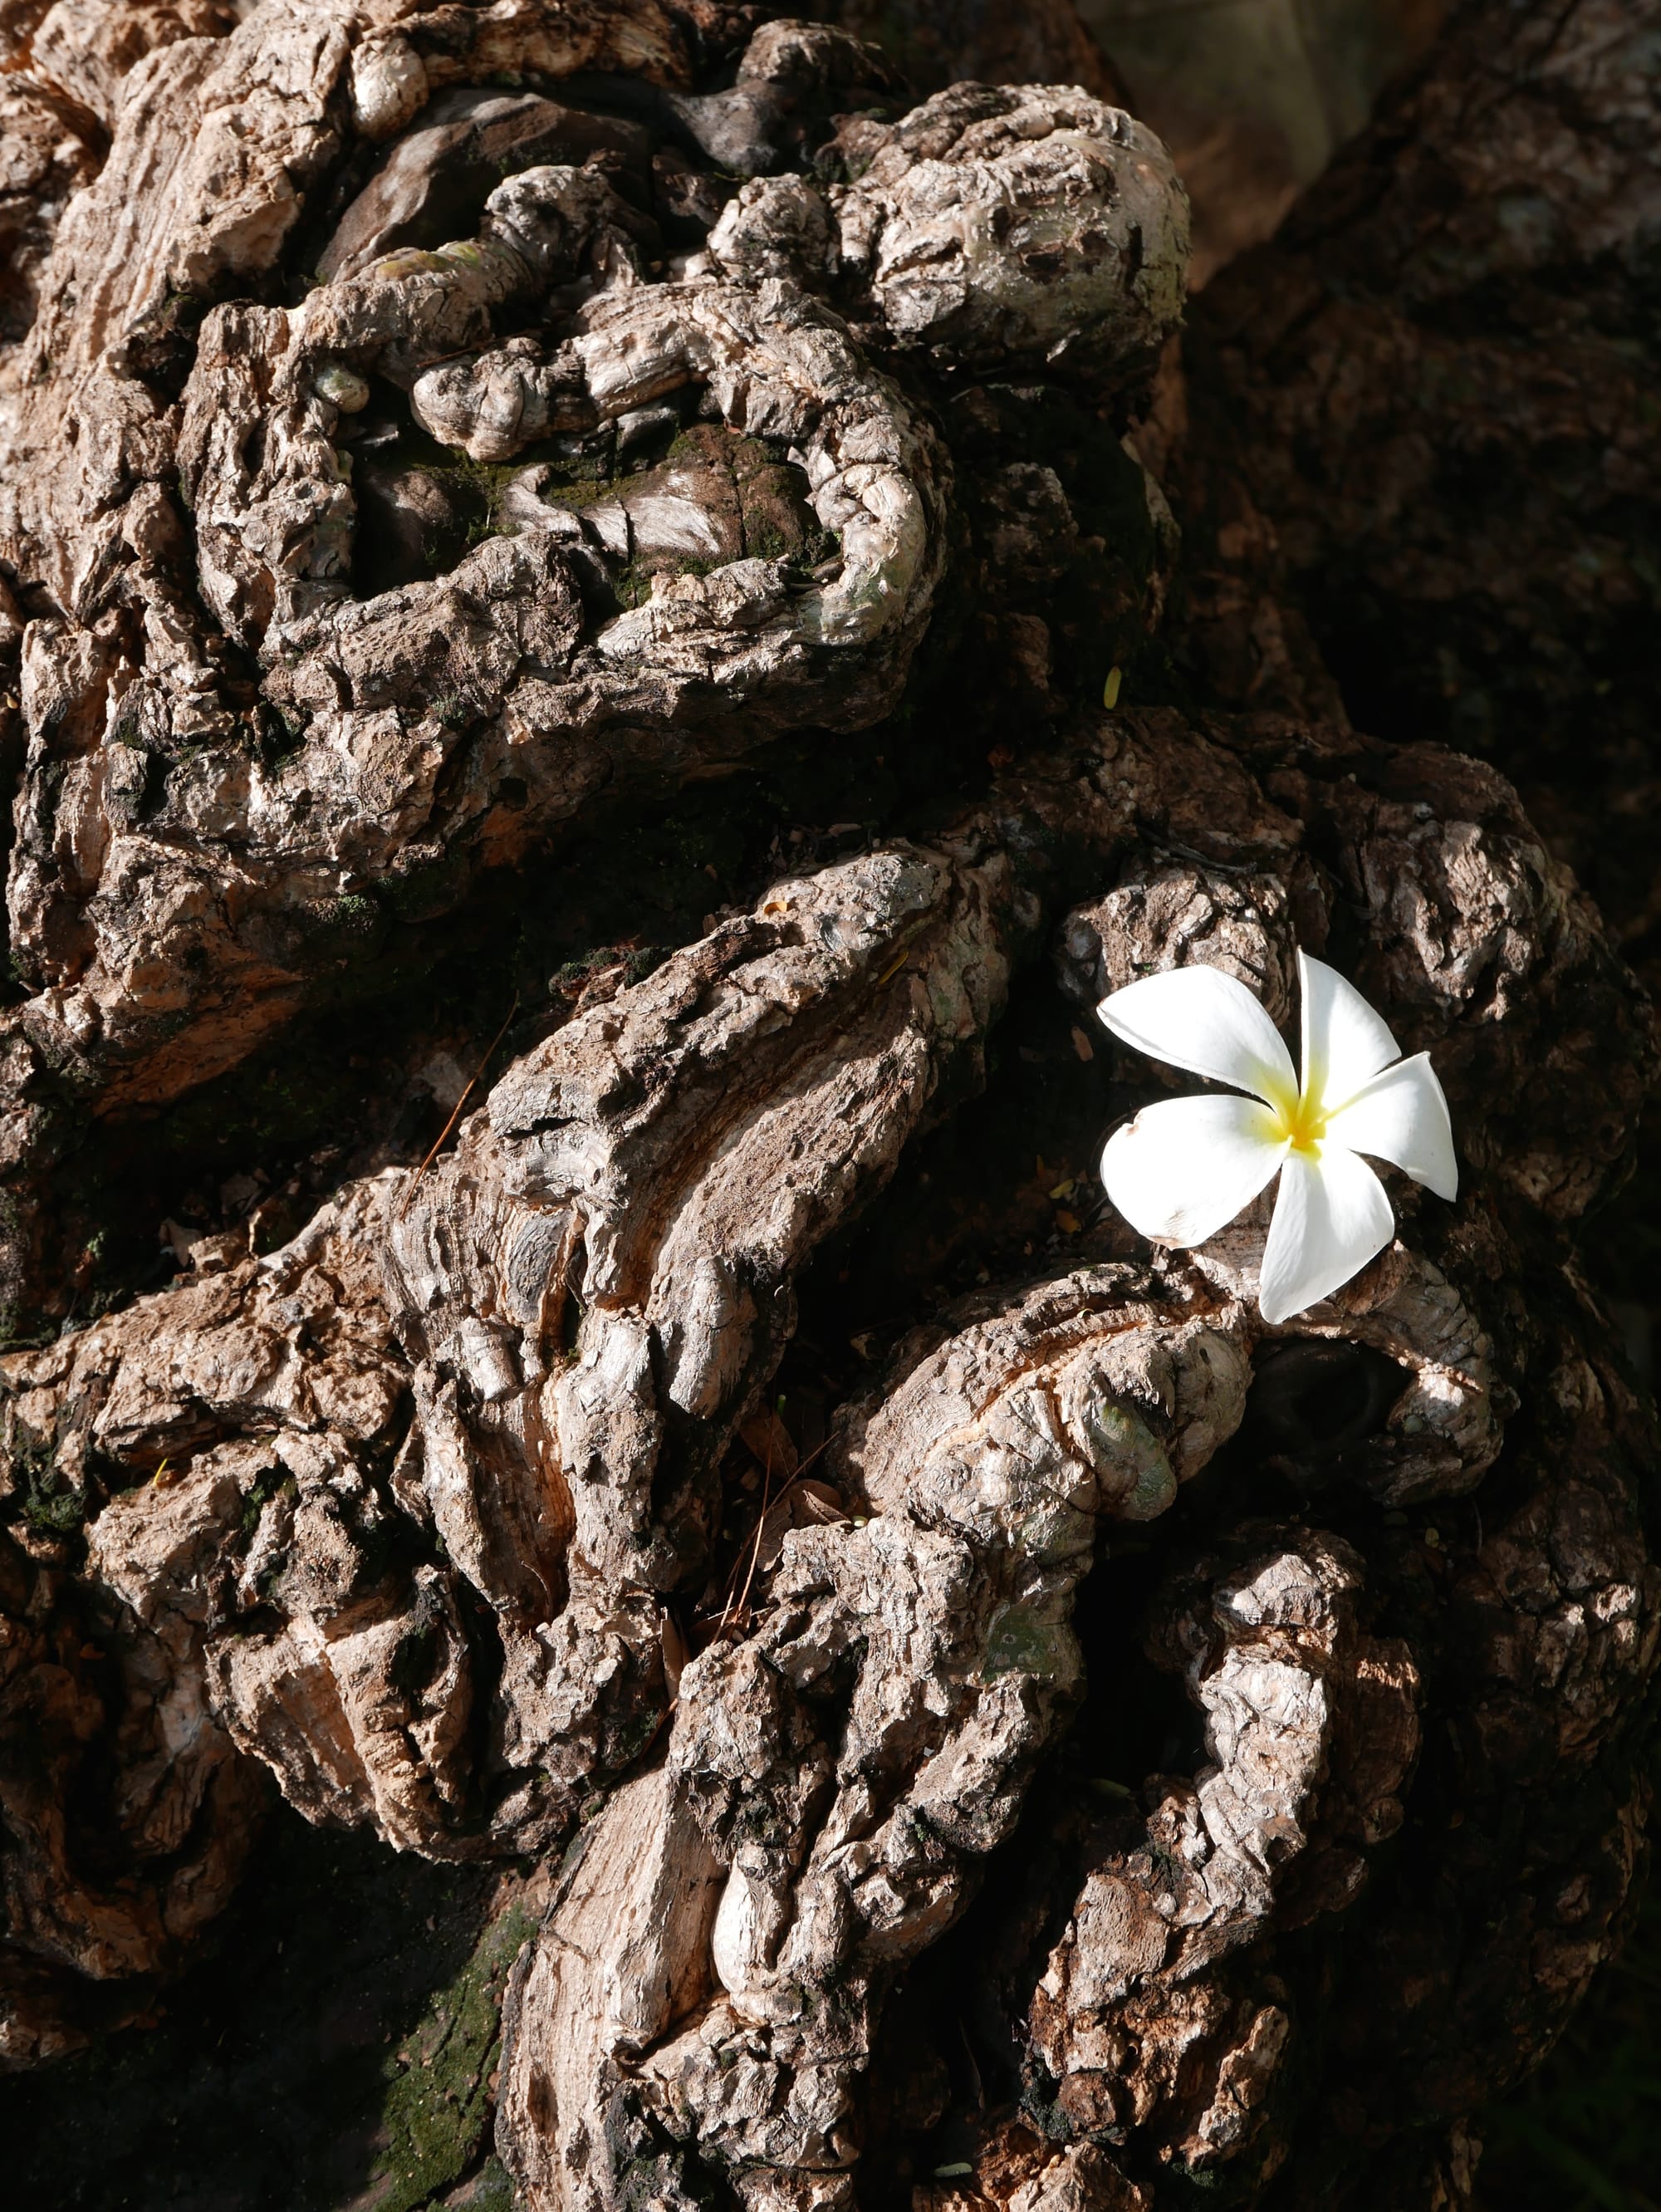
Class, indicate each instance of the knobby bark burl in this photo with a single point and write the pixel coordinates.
(1135, 1749)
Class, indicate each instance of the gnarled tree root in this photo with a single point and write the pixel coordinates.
(411, 1513)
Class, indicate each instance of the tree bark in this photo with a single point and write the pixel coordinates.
(998, 1724)
(1434, 386)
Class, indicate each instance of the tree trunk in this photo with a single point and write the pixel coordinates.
(560, 567)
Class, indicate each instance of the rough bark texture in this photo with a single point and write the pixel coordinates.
(239, 748)
(1077, 1745)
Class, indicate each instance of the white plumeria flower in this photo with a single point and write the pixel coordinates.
(1183, 1169)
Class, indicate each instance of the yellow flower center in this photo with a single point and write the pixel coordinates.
(1303, 1122)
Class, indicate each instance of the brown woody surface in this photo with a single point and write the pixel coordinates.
(429, 435)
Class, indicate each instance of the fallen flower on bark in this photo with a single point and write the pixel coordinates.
(1185, 1167)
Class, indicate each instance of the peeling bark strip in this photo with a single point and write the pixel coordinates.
(1089, 1777)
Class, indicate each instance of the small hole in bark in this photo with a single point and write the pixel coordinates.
(571, 1303)
(1137, 1718)
(1315, 1399)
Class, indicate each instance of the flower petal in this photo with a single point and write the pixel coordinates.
(1401, 1116)
(1344, 1043)
(1208, 1022)
(1330, 1218)
(1184, 1167)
